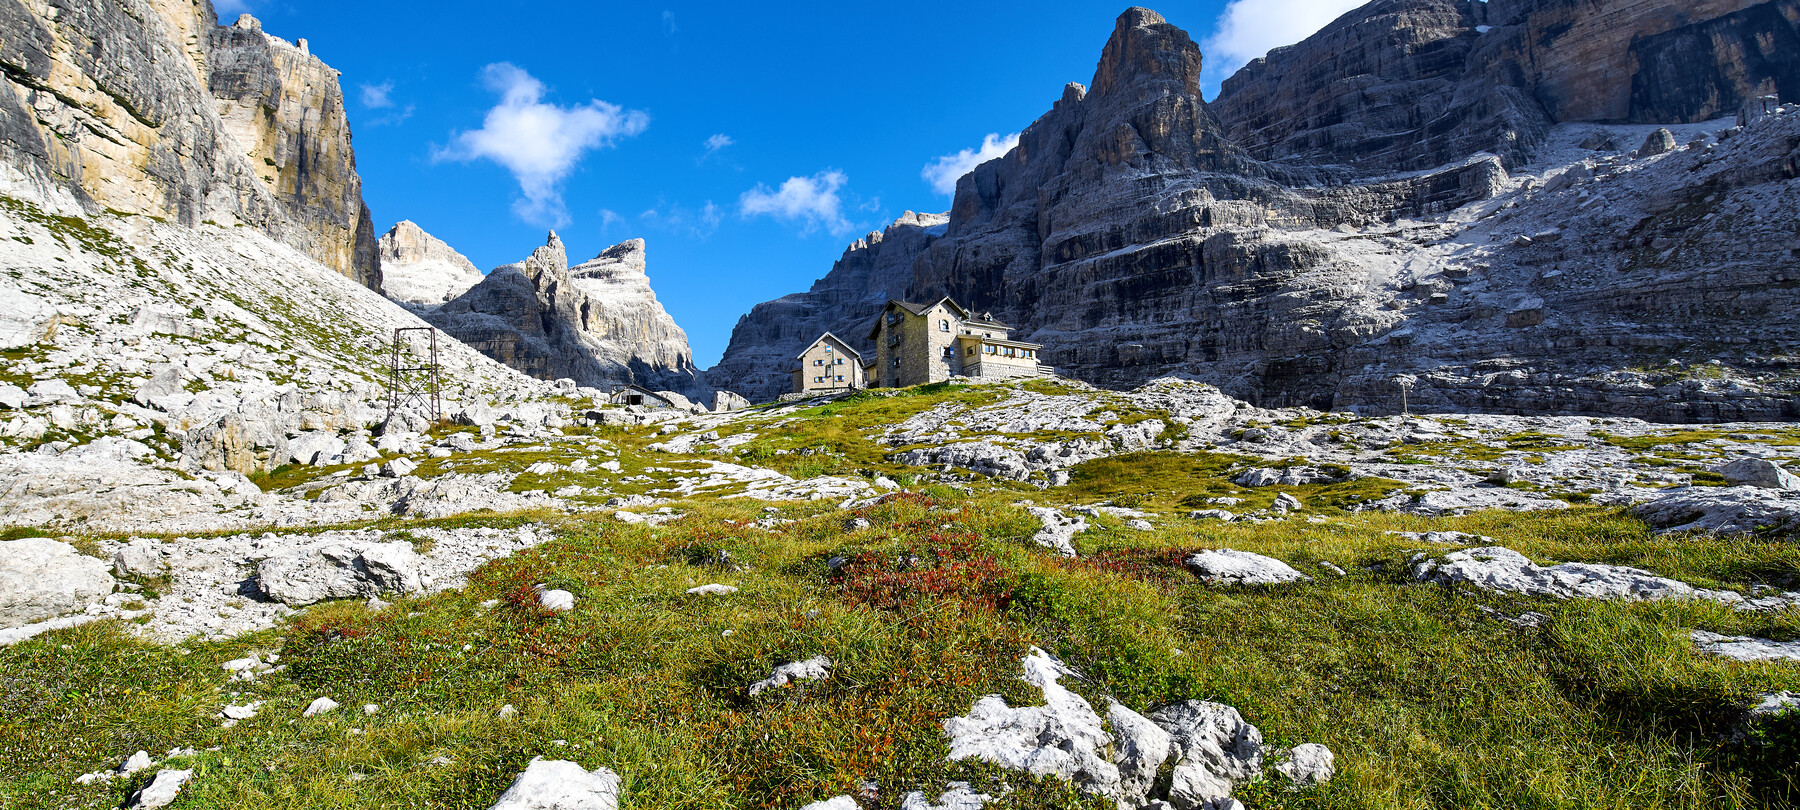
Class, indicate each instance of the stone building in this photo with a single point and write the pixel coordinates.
(828, 366)
(925, 343)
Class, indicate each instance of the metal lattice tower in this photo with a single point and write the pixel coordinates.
(414, 374)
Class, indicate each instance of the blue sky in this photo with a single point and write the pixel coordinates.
(748, 143)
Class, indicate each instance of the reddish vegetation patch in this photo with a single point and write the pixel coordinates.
(1158, 566)
(943, 567)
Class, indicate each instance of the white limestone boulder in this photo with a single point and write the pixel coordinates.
(338, 570)
(1758, 472)
(1229, 567)
(1059, 530)
(1723, 510)
(25, 319)
(161, 791)
(1745, 648)
(42, 578)
(1218, 750)
(1062, 738)
(561, 785)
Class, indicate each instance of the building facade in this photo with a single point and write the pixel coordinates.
(927, 343)
(828, 366)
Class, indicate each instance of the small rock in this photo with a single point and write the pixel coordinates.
(244, 712)
(1286, 502)
(554, 600)
(1228, 567)
(715, 588)
(1211, 514)
(857, 524)
(161, 791)
(817, 668)
(1656, 143)
(1307, 765)
(319, 706)
(139, 761)
(1139, 525)
(396, 468)
(507, 711)
(834, 803)
(561, 785)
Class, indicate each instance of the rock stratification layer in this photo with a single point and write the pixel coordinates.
(1401, 85)
(598, 323)
(873, 269)
(149, 107)
(420, 270)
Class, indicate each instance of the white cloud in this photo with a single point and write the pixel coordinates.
(812, 201)
(1247, 29)
(669, 28)
(378, 96)
(717, 142)
(540, 143)
(948, 169)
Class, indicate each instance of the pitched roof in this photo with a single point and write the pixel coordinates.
(917, 309)
(835, 339)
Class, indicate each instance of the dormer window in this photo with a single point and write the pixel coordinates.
(944, 325)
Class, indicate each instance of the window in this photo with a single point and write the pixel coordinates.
(896, 363)
(840, 361)
(893, 318)
(949, 353)
(971, 351)
(985, 349)
(840, 378)
(944, 325)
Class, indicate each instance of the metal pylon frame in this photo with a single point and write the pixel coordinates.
(414, 376)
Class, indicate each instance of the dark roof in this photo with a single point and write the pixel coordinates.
(838, 340)
(917, 309)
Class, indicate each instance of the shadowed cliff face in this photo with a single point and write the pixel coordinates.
(149, 107)
(597, 323)
(1403, 85)
(1132, 238)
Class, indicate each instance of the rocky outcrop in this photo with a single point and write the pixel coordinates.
(420, 270)
(873, 270)
(149, 107)
(598, 323)
(1402, 85)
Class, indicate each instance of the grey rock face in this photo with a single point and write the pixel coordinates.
(1133, 250)
(340, 570)
(1726, 510)
(597, 323)
(420, 270)
(149, 107)
(873, 269)
(1218, 750)
(43, 578)
(1759, 472)
(1412, 84)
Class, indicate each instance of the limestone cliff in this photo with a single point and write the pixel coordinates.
(598, 323)
(872, 270)
(420, 270)
(149, 107)
(1132, 236)
(1401, 85)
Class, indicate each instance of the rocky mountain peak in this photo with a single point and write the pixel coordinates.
(551, 258)
(1146, 52)
(598, 323)
(420, 270)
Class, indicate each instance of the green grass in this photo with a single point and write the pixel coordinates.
(1426, 700)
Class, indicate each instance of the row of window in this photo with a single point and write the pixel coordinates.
(821, 361)
(1003, 351)
(828, 379)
